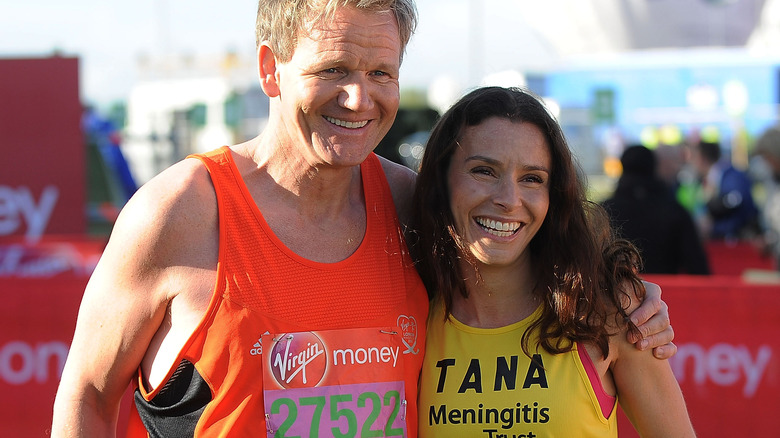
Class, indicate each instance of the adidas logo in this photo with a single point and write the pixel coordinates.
(257, 349)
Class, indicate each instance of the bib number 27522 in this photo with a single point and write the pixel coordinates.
(368, 414)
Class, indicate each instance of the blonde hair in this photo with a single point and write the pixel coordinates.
(280, 21)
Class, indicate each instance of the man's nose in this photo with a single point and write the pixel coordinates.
(356, 95)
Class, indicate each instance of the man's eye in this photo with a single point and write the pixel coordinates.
(330, 72)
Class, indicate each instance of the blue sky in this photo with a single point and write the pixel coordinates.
(109, 35)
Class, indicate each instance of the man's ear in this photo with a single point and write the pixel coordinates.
(269, 80)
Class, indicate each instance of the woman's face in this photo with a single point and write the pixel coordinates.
(499, 180)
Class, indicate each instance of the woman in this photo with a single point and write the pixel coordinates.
(531, 291)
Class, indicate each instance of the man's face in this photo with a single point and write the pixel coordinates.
(339, 92)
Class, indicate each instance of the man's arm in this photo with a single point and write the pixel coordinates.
(652, 319)
(125, 303)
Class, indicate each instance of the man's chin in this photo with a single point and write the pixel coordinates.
(346, 155)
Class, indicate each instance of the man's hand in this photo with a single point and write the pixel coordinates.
(652, 319)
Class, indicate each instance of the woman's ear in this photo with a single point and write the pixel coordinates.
(267, 70)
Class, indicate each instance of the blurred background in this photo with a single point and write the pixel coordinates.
(178, 76)
(97, 97)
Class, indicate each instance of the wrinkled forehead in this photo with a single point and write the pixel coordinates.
(374, 30)
(348, 17)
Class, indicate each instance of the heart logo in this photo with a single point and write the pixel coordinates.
(408, 327)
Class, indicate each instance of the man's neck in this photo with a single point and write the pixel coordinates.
(317, 188)
(318, 213)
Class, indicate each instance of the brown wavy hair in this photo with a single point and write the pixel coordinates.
(280, 21)
(583, 270)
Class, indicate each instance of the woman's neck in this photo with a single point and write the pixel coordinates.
(497, 298)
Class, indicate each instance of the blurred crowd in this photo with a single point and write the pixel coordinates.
(675, 201)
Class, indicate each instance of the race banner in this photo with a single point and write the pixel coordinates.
(43, 169)
(727, 363)
(41, 286)
(39, 316)
(728, 357)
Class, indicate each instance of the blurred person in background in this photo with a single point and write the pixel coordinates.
(730, 212)
(767, 147)
(644, 210)
(670, 160)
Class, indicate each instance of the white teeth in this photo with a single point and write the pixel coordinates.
(345, 124)
(502, 229)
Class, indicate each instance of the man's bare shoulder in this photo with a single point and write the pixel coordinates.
(177, 195)
(401, 180)
(171, 220)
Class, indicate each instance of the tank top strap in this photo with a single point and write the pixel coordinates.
(228, 185)
(381, 219)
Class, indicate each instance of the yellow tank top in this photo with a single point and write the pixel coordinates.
(479, 383)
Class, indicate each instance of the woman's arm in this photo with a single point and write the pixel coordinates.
(647, 390)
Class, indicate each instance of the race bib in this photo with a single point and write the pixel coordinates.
(335, 383)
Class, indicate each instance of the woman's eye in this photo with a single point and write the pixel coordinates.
(482, 171)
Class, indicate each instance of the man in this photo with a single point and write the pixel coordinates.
(767, 147)
(731, 212)
(222, 286)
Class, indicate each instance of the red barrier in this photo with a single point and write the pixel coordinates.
(728, 359)
(734, 258)
(43, 187)
(39, 315)
(41, 285)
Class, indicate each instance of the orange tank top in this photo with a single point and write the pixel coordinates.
(289, 346)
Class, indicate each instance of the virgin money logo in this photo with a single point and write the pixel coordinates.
(723, 365)
(19, 208)
(298, 360)
(22, 362)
